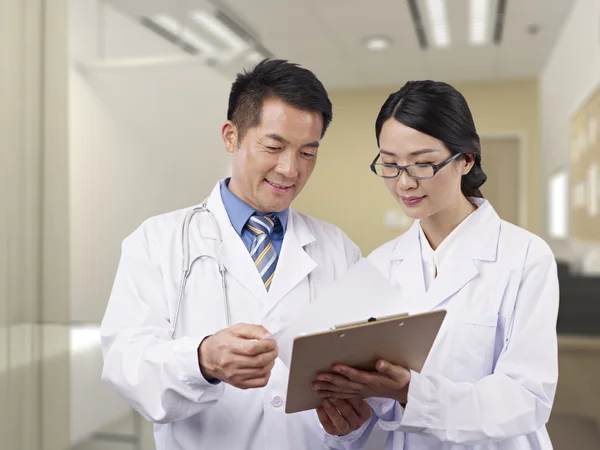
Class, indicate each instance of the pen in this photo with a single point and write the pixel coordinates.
(371, 319)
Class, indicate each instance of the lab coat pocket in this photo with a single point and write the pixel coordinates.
(473, 346)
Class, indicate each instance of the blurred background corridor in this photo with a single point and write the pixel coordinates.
(110, 112)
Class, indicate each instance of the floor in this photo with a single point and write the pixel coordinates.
(128, 433)
(568, 432)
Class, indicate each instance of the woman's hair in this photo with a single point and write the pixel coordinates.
(438, 110)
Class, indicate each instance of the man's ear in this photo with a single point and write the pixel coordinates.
(229, 133)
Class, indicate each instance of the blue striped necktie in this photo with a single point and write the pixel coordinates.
(262, 251)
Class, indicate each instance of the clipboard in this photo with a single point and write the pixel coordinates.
(402, 340)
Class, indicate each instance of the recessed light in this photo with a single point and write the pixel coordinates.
(377, 43)
(533, 29)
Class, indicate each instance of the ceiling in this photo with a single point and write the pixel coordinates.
(327, 37)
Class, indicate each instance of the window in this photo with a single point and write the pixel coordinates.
(558, 213)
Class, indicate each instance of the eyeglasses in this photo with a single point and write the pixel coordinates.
(421, 171)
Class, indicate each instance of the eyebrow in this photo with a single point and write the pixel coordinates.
(422, 151)
(281, 139)
(277, 138)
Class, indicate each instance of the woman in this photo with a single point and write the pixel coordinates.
(491, 375)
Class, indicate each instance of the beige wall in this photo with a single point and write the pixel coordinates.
(342, 189)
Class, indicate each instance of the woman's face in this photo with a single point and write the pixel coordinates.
(421, 199)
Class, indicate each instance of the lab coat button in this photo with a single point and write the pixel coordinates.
(277, 401)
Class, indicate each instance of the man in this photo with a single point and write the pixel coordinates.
(203, 369)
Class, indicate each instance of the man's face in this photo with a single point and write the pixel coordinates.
(274, 160)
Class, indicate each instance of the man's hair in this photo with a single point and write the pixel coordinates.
(276, 79)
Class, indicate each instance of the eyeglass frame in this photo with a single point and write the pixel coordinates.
(436, 167)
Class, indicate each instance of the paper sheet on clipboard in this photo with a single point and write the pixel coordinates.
(361, 293)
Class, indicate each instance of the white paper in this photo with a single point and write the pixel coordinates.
(361, 293)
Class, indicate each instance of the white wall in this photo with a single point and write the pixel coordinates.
(34, 265)
(143, 141)
(570, 75)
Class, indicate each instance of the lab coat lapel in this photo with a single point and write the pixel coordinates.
(294, 264)
(448, 282)
(407, 266)
(233, 253)
(479, 243)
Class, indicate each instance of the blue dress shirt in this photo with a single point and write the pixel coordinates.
(239, 212)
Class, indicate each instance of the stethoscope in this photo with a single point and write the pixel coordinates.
(187, 264)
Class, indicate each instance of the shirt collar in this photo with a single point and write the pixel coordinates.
(445, 248)
(426, 250)
(239, 211)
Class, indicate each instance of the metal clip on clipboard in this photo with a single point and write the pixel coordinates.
(369, 320)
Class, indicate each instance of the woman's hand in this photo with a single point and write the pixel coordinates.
(389, 381)
(340, 417)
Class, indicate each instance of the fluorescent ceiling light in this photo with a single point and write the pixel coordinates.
(178, 30)
(377, 43)
(438, 22)
(479, 21)
(219, 30)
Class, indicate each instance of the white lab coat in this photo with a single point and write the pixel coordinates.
(490, 378)
(161, 378)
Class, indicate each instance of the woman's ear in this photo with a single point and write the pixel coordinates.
(467, 163)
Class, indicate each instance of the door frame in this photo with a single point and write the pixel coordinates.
(521, 138)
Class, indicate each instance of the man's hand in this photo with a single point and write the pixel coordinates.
(239, 356)
(389, 381)
(340, 417)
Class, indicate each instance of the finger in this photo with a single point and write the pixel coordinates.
(247, 374)
(340, 395)
(359, 376)
(396, 373)
(357, 403)
(248, 347)
(340, 381)
(248, 331)
(251, 371)
(339, 423)
(270, 366)
(256, 362)
(252, 383)
(326, 421)
(347, 411)
(362, 408)
(324, 386)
